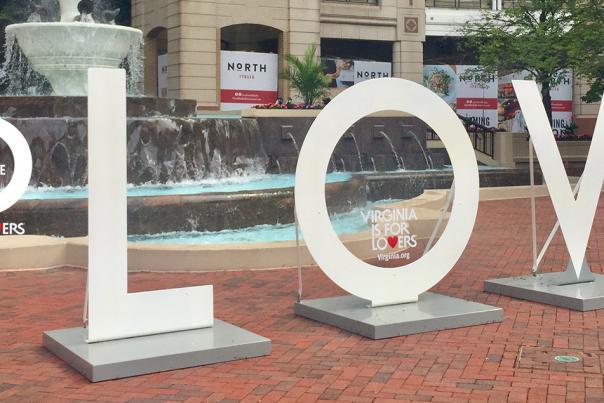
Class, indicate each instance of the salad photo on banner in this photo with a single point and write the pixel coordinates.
(442, 80)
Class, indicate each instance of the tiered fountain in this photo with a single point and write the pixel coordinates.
(63, 51)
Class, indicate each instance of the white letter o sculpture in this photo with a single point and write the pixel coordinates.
(384, 286)
(22, 165)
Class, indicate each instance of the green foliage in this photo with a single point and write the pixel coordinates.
(589, 56)
(544, 37)
(307, 75)
(597, 85)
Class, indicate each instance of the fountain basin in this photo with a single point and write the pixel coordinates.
(151, 212)
(34, 251)
(184, 212)
(63, 52)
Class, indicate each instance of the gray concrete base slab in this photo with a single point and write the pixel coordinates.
(432, 312)
(544, 288)
(149, 354)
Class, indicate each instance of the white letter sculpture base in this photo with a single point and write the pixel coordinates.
(430, 313)
(559, 289)
(124, 358)
(131, 334)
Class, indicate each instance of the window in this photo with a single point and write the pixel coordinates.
(463, 4)
(369, 2)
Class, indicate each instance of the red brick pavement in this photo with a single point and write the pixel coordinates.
(311, 361)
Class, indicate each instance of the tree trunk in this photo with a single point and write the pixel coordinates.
(546, 97)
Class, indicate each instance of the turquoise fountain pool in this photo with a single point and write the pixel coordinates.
(343, 224)
(223, 185)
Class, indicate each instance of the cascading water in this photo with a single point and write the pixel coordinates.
(428, 159)
(134, 66)
(356, 144)
(294, 142)
(160, 150)
(399, 160)
(16, 74)
(63, 51)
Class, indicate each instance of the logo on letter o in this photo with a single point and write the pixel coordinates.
(380, 285)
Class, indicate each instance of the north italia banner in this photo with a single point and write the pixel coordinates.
(162, 76)
(466, 89)
(345, 73)
(477, 95)
(248, 79)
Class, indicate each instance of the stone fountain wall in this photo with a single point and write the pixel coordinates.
(160, 150)
(184, 148)
(362, 148)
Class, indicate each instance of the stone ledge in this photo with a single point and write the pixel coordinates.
(307, 113)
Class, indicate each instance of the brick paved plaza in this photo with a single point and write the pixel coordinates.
(510, 361)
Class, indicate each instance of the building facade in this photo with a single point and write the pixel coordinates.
(189, 35)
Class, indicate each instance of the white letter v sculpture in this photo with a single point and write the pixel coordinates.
(576, 216)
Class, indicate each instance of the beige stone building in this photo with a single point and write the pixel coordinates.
(192, 33)
(405, 33)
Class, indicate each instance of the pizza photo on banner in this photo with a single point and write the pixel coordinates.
(469, 91)
(510, 115)
(248, 79)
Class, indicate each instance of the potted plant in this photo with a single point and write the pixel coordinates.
(307, 76)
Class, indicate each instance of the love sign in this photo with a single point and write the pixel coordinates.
(114, 313)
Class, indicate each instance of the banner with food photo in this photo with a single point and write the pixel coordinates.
(469, 91)
(442, 80)
(510, 115)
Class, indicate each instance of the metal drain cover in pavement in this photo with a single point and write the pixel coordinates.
(566, 358)
(556, 359)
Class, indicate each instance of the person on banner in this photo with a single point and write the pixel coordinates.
(518, 123)
(341, 72)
